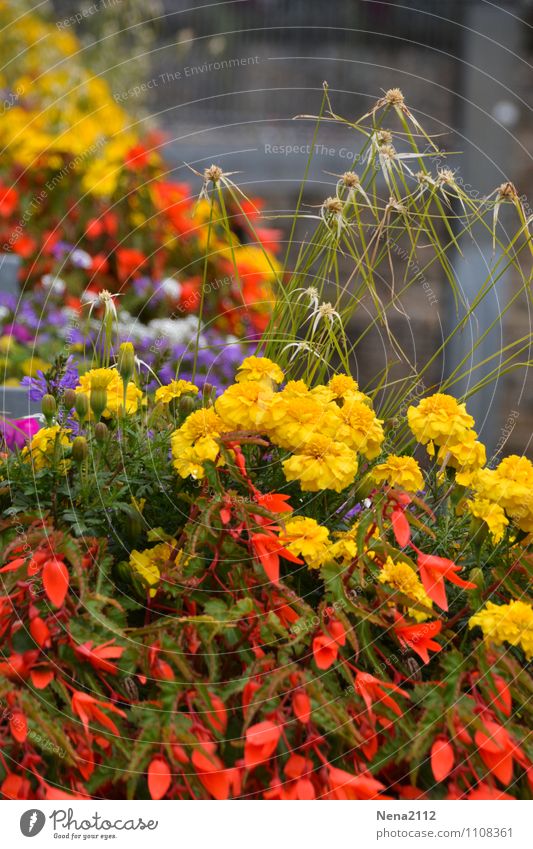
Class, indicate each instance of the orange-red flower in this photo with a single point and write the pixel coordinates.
(442, 758)
(159, 777)
(88, 708)
(268, 549)
(325, 651)
(100, 656)
(433, 571)
(372, 690)
(419, 637)
(498, 750)
(261, 742)
(210, 770)
(344, 785)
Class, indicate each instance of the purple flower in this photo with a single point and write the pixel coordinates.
(38, 386)
(17, 432)
(18, 332)
(61, 249)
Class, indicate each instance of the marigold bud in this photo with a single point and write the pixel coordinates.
(98, 401)
(126, 362)
(186, 405)
(82, 406)
(101, 432)
(80, 449)
(49, 407)
(208, 394)
(69, 399)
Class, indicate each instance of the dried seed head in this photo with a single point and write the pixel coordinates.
(446, 176)
(350, 179)
(326, 310)
(424, 178)
(394, 97)
(508, 191)
(213, 174)
(383, 137)
(333, 205)
(388, 151)
(396, 205)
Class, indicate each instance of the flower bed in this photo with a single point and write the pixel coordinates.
(88, 205)
(284, 609)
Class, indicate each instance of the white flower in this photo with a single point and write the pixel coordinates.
(171, 288)
(81, 259)
(55, 284)
(324, 312)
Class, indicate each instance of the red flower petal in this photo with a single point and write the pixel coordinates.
(325, 651)
(442, 759)
(18, 726)
(301, 706)
(159, 778)
(400, 527)
(55, 581)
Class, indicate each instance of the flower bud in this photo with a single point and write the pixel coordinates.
(98, 401)
(186, 405)
(477, 577)
(100, 432)
(82, 406)
(69, 399)
(49, 407)
(134, 524)
(208, 394)
(476, 596)
(478, 530)
(126, 362)
(80, 449)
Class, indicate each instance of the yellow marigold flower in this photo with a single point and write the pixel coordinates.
(196, 441)
(440, 419)
(295, 388)
(401, 472)
(110, 380)
(346, 388)
(322, 463)
(245, 405)
(511, 623)
(360, 429)
(490, 513)
(291, 421)
(174, 389)
(342, 385)
(261, 369)
(149, 563)
(345, 546)
(511, 486)
(400, 576)
(298, 388)
(466, 455)
(46, 445)
(305, 538)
